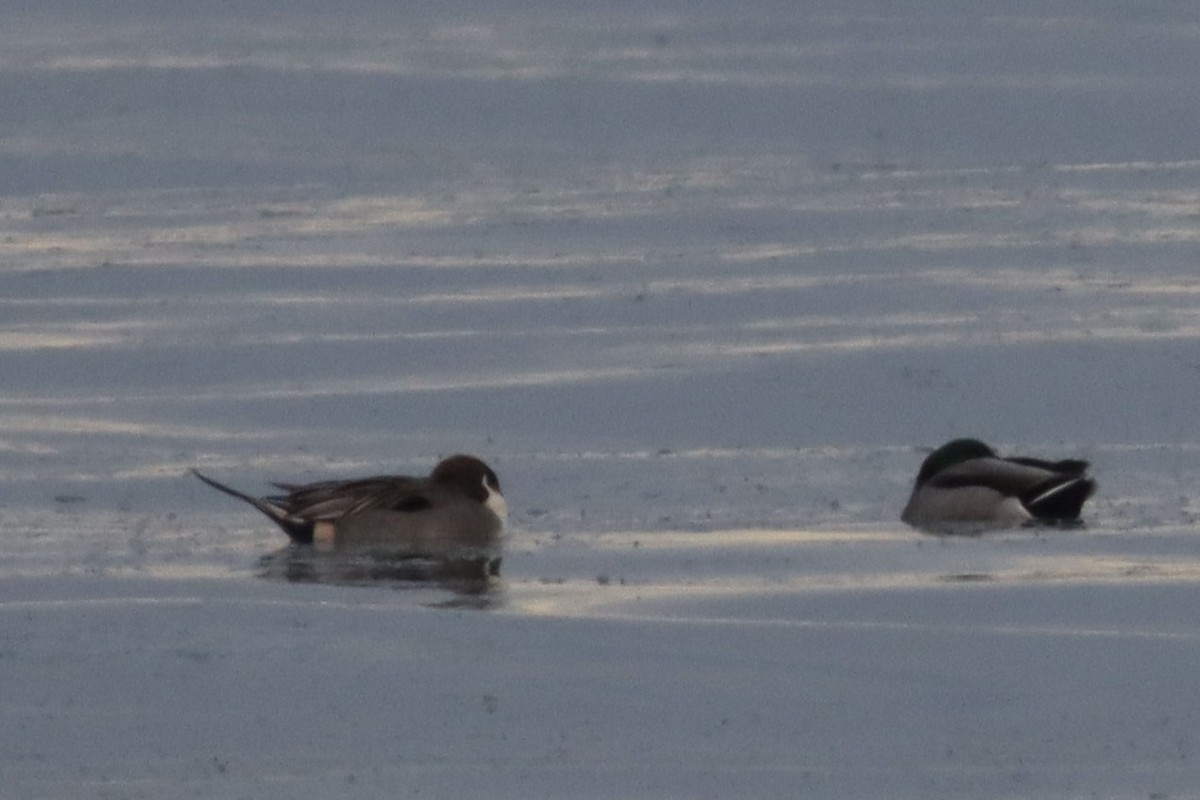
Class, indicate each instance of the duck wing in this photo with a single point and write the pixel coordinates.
(1009, 477)
(1059, 497)
(1049, 490)
(1069, 466)
(329, 500)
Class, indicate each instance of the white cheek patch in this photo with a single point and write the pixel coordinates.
(495, 501)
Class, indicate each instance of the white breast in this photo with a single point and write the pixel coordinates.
(495, 501)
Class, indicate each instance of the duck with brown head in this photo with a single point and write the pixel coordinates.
(459, 509)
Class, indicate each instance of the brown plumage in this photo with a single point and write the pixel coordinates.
(458, 507)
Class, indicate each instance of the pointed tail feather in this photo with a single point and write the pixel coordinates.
(300, 531)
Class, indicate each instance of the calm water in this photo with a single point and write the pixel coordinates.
(701, 287)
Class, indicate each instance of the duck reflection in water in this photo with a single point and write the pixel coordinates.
(474, 580)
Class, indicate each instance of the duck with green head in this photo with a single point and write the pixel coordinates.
(964, 484)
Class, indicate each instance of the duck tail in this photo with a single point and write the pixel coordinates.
(300, 531)
(1060, 500)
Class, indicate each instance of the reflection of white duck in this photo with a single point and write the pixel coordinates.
(965, 482)
(458, 508)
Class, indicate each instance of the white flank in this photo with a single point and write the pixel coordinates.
(1012, 512)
